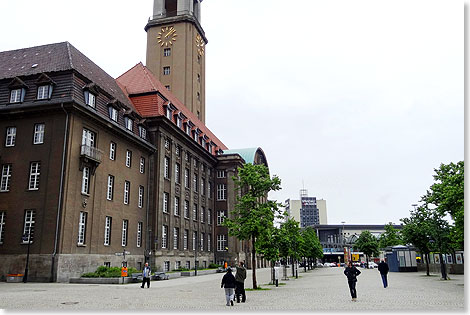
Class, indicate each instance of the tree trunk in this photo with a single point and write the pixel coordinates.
(253, 262)
(367, 261)
(427, 264)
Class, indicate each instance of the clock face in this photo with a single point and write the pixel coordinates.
(167, 36)
(200, 45)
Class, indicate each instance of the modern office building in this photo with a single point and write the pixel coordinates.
(308, 210)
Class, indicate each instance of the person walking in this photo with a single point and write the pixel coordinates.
(240, 277)
(146, 276)
(383, 269)
(228, 282)
(352, 272)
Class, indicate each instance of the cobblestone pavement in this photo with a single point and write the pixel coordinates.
(323, 289)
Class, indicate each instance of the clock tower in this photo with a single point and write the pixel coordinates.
(176, 51)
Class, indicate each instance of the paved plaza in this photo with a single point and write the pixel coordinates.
(323, 289)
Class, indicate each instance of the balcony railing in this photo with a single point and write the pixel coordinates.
(91, 153)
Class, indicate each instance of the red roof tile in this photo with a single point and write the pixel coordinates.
(140, 80)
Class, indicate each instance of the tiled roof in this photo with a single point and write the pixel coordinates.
(139, 82)
(58, 57)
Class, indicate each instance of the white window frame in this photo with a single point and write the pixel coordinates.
(141, 197)
(88, 137)
(203, 213)
(209, 216)
(176, 233)
(110, 188)
(177, 173)
(125, 226)
(209, 236)
(194, 240)
(166, 197)
(142, 165)
(127, 188)
(107, 230)
(186, 209)
(10, 137)
(28, 227)
(43, 92)
(166, 70)
(166, 170)
(90, 99)
(128, 158)
(38, 134)
(112, 151)
(139, 234)
(209, 190)
(221, 174)
(221, 242)
(6, 177)
(113, 113)
(195, 184)
(185, 240)
(195, 211)
(142, 132)
(186, 177)
(34, 175)
(15, 95)
(3, 215)
(202, 242)
(221, 216)
(166, 266)
(164, 236)
(176, 206)
(86, 180)
(166, 52)
(221, 192)
(129, 123)
(82, 228)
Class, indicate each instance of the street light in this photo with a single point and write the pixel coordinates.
(27, 238)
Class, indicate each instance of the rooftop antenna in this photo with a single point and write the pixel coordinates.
(303, 191)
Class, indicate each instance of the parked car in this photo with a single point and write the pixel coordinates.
(372, 265)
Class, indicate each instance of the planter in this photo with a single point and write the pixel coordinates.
(119, 280)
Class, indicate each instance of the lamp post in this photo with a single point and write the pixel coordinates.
(342, 241)
(27, 238)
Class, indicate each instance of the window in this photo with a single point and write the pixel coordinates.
(142, 165)
(167, 143)
(38, 134)
(141, 197)
(186, 157)
(86, 180)
(82, 228)
(28, 228)
(209, 190)
(43, 92)
(198, 96)
(198, 59)
(15, 96)
(107, 231)
(125, 224)
(177, 264)
(168, 112)
(35, 171)
(128, 158)
(202, 242)
(198, 77)
(128, 123)
(195, 134)
(88, 138)
(221, 243)
(209, 237)
(177, 150)
(127, 188)
(112, 151)
(195, 163)
(220, 217)
(177, 173)
(168, 87)
(165, 236)
(195, 212)
(221, 191)
(209, 216)
(186, 178)
(6, 176)
(188, 130)
(209, 147)
(185, 239)
(110, 189)
(220, 173)
(139, 234)
(176, 208)
(166, 52)
(113, 113)
(195, 182)
(2, 226)
(186, 209)
(166, 266)
(166, 196)
(166, 70)
(176, 233)
(203, 213)
(90, 99)
(203, 186)
(194, 240)
(188, 264)
(167, 168)
(179, 122)
(142, 132)
(10, 137)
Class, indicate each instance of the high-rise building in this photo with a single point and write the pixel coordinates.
(308, 210)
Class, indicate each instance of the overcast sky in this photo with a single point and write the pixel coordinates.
(356, 101)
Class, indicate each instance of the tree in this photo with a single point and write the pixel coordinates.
(253, 216)
(290, 240)
(268, 246)
(391, 237)
(368, 244)
(447, 195)
(312, 248)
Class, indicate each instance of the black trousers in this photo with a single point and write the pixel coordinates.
(240, 290)
(144, 280)
(352, 289)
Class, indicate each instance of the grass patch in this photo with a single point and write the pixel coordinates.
(280, 283)
(260, 288)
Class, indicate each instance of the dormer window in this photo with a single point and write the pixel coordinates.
(142, 132)
(168, 112)
(90, 98)
(128, 123)
(44, 84)
(43, 92)
(209, 147)
(15, 95)
(188, 129)
(113, 113)
(195, 135)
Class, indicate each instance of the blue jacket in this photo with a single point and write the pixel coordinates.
(146, 272)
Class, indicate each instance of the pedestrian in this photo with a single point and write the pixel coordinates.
(240, 277)
(383, 269)
(352, 272)
(146, 276)
(228, 282)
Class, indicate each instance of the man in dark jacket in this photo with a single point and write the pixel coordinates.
(228, 282)
(383, 269)
(351, 272)
(240, 277)
(146, 276)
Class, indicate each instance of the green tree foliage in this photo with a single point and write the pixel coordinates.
(312, 248)
(368, 244)
(391, 237)
(253, 216)
(447, 195)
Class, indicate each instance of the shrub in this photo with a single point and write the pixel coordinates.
(213, 266)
